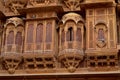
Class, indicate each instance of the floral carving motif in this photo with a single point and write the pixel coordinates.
(72, 4)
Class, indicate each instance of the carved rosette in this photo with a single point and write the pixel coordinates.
(11, 62)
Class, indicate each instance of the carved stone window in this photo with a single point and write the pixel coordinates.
(30, 33)
(70, 34)
(101, 35)
(39, 33)
(49, 32)
(10, 38)
(79, 35)
(18, 39)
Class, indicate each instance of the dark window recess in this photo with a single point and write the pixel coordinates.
(39, 33)
(112, 57)
(49, 65)
(104, 57)
(92, 64)
(48, 59)
(70, 34)
(63, 36)
(99, 57)
(40, 66)
(29, 60)
(10, 38)
(112, 63)
(92, 57)
(99, 63)
(104, 63)
(39, 59)
(31, 66)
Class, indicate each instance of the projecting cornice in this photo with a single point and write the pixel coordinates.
(97, 3)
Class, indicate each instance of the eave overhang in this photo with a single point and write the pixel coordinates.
(97, 4)
(57, 8)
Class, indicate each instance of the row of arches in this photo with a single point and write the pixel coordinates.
(18, 38)
(39, 33)
(71, 34)
(13, 38)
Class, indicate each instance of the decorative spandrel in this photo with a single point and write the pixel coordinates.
(13, 5)
(72, 4)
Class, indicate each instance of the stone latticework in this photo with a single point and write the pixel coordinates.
(59, 39)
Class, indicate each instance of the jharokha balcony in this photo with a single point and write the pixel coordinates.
(71, 44)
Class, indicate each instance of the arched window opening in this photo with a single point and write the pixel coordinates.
(70, 34)
(49, 32)
(101, 36)
(30, 33)
(10, 38)
(18, 39)
(4, 42)
(79, 35)
(63, 36)
(39, 33)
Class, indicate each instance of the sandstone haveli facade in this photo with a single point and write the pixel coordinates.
(59, 39)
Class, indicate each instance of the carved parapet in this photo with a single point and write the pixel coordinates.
(71, 58)
(41, 2)
(11, 62)
(72, 16)
(39, 61)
